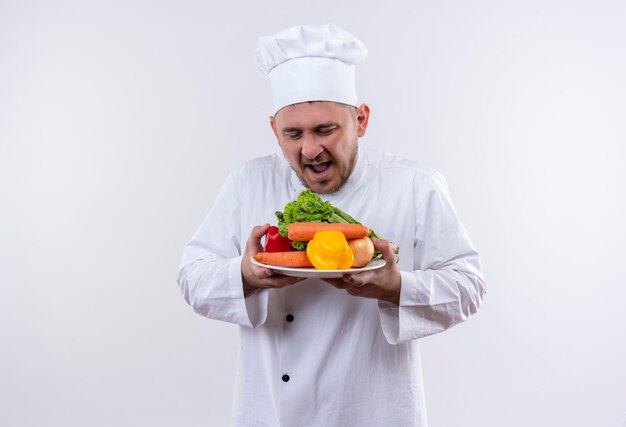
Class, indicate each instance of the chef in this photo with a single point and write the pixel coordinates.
(334, 352)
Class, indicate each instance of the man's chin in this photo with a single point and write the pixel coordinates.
(322, 187)
(326, 186)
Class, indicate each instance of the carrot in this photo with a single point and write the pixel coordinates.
(284, 259)
(304, 231)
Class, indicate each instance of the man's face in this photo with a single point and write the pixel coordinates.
(320, 141)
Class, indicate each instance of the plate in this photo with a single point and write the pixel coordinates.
(308, 273)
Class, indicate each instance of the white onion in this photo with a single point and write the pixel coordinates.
(363, 249)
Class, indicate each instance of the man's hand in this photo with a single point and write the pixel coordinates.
(382, 283)
(255, 277)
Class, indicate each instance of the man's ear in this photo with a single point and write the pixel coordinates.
(362, 119)
(273, 125)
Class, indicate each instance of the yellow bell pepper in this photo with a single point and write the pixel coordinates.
(329, 250)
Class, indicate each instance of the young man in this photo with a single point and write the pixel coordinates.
(339, 352)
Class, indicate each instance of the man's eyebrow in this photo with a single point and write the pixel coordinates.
(291, 130)
(327, 125)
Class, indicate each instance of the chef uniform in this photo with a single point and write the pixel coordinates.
(311, 354)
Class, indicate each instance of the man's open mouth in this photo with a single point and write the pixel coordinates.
(319, 168)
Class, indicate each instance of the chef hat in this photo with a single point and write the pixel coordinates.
(310, 63)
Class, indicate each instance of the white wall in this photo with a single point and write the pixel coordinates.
(119, 121)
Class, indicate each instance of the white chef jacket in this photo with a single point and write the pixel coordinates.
(311, 354)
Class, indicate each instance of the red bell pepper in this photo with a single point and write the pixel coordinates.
(274, 242)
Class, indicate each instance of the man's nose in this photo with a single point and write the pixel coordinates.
(310, 146)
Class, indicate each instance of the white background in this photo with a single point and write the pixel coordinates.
(120, 120)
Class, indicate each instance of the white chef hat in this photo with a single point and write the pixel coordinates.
(310, 63)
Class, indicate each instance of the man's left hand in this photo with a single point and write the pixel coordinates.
(382, 283)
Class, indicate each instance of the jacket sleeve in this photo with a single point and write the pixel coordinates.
(446, 286)
(210, 273)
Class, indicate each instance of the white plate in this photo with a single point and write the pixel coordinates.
(308, 273)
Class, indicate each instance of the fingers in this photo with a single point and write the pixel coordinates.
(254, 241)
(359, 280)
(269, 279)
(264, 273)
(337, 283)
(353, 291)
(383, 283)
(259, 230)
(347, 281)
(384, 246)
(260, 277)
(280, 281)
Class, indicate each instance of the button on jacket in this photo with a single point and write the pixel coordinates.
(311, 354)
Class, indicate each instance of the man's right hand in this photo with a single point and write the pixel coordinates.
(255, 277)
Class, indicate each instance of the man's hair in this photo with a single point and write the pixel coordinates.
(352, 108)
